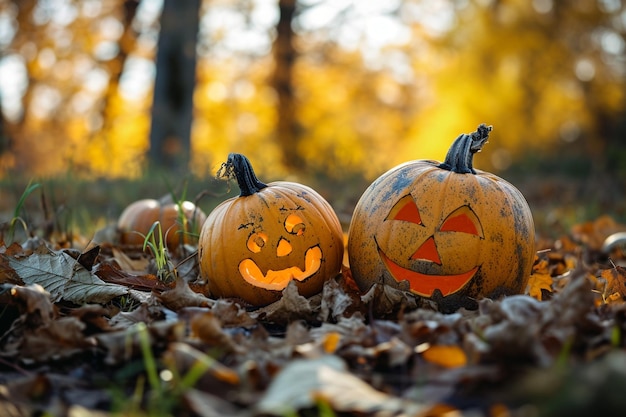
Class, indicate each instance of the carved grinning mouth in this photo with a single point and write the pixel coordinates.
(425, 284)
(278, 280)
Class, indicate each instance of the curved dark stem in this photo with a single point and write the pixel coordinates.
(460, 156)
(239, 166)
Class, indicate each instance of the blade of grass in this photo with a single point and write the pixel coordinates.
(148, 357)
(28, 191)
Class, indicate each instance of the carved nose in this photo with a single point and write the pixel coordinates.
(427, 252)
(284, 247)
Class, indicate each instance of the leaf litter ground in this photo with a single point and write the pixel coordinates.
(95, 333)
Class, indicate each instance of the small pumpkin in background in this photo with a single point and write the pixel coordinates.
(252, 246)
(136, 220)
(444, 231)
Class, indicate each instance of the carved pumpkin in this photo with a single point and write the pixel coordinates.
(253, 245)
(444, 231)
(137, 219)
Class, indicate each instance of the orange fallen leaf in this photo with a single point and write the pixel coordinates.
(593, 233)
(538, 282)
(615, 288)
(441, 410)
(499, 410)
(331, 342)
(540, 279)
(448, 356)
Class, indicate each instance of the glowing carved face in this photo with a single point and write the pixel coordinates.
(460, 220)
(277, 251)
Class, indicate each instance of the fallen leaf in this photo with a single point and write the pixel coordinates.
(337, 299)
(61, 338)
(39, 308)
(142, 314)
(384, 300)
(64, 278)
(129, 264)
(291, 306)
(124, 345)
(88, 258)
(182, 296)
(203, 404)
(304, 383)
(538, 282)
(615, 288)
(110, 273)
(445, 356)
(540, 279)
(330, 343)
(594, 233)
(208, 328)
(183, 357)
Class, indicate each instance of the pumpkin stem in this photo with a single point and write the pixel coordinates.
(460, 157)
(238, 166)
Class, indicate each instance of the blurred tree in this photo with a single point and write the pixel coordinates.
(285, 54)
(5, 144)
(547, 74)
(329, 88)
(172, 106)
(70, 56)
(115, 65)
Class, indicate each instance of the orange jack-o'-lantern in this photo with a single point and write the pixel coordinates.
(253, 245)
(444, 231)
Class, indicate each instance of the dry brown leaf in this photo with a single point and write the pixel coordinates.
(231, 315)
(60, 338)
(109, 272)
(338, 299)
(208, 328)
(128, 264)
(304, 383)
(122, 346)
(203, 404)
(594, 233)
(291, 306)
(64, 278)
(39, 308)
(384, 300)
(142, 314)
(182, 296)
(183, 357)
(94, 316)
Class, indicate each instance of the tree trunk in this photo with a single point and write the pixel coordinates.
(285, 54)
(115, 66)
(172, 107)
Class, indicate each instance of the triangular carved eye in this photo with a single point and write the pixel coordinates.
(463, 220)
(406, 210)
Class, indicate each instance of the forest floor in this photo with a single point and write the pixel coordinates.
(86, 328)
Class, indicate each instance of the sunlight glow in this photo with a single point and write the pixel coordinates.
(137, 78)
(13, 84)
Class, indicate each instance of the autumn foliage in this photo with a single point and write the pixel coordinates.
(549, 71)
